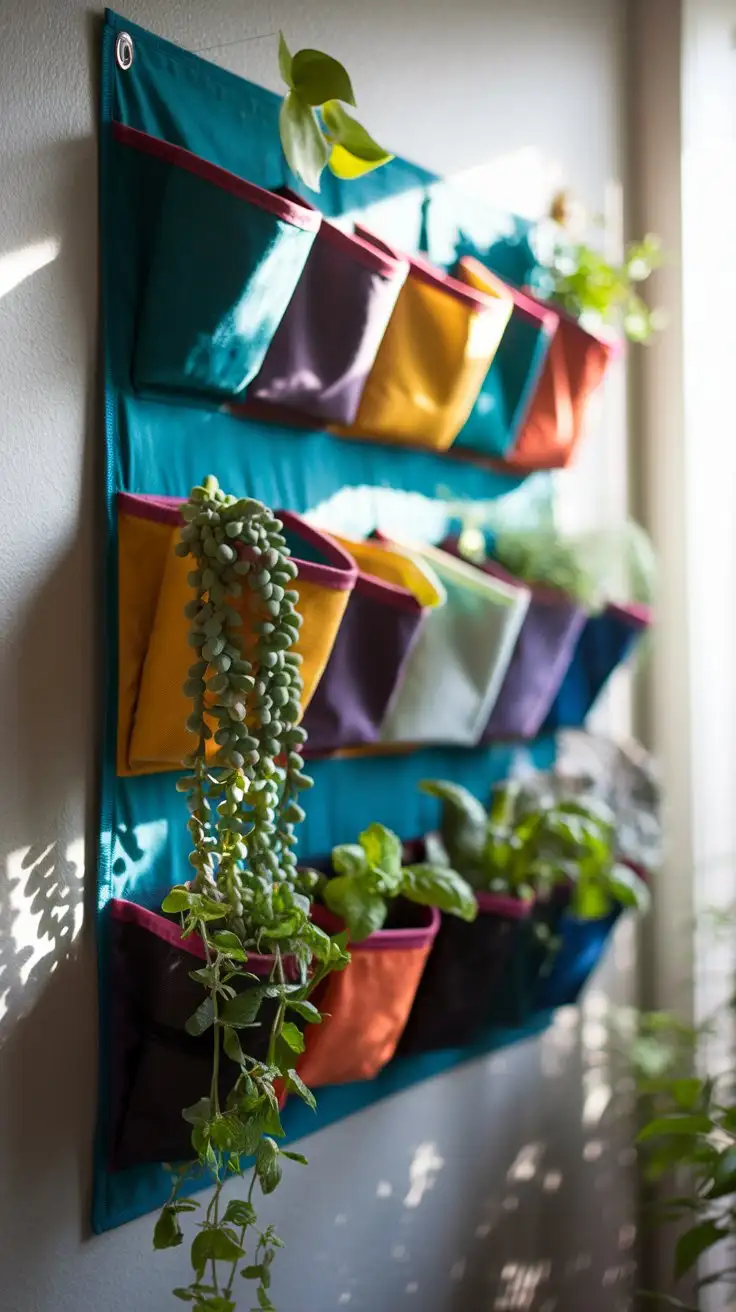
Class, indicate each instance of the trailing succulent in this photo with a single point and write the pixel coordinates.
(529, 843)
(246, 893)
(369, 875)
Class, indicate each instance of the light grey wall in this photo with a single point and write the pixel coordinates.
(533, 91)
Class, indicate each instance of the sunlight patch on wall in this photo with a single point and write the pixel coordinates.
(20, 264)
(425, 1164)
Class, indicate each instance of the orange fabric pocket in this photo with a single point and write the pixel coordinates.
(367, 1005)
(154, 656)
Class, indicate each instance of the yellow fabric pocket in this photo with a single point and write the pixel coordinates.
(155, 732)
(393, 566)
(432, 361)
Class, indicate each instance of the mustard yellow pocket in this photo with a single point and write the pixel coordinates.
(156, 737)
(432, 361)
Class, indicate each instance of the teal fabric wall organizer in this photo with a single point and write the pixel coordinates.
(165, 429)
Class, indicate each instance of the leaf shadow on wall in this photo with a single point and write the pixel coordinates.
(50, 731)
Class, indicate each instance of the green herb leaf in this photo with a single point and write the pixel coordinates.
(679, 1125)
(295, 1084)
(231, 1045)
(243, 1009)
(382, 849)
(199, 1113)
(695, 1242)
(225, 941)
(268, 1167)
(292, 1036)
(179, 899)
(285, 61)
(240, 1213)
(440, 886)
(303, 144)
(318, 78)
(167, 1231)
(295, 1157)
(307, 1011)
(252, 1272)
(349, 859)
(363, 912)
(629, 889)
(202, 1019)
(463, 825)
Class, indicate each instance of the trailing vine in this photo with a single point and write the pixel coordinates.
(244, 778)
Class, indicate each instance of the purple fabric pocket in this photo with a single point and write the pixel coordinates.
(365, 666)
(541, 657)
(324, 348)
(157, 1068)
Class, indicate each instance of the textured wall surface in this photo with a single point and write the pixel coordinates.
(482, 1189)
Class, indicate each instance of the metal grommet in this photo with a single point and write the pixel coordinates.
(124, 51)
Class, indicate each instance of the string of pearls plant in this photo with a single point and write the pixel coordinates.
(243, 780)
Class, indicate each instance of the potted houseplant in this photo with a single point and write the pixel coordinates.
(548, 887)
(390, 911)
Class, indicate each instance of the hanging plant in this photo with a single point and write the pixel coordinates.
(579, 279)
(370, 875)
(333, 137)
(246, 893)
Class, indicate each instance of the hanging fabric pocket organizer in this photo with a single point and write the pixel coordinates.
(457, 665)
(508, 388)
(154, 655)
(325, 346)
(432, 361)
(367, 1005)
(575, 366)
(541, 657)
(454, 1001)
(606, 640)
(158, 1068)
(226, 260)
(388, 605)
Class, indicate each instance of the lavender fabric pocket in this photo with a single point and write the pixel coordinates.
(325, 346)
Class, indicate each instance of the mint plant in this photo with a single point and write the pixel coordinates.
(333, 138)
(246, 893)
(369, 874)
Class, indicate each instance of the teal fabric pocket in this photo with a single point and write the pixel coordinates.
(226, 260)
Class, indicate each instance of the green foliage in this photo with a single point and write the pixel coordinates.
(334, 138)
(246, 893)
(586, 285)
(525, 845)
(370, 874)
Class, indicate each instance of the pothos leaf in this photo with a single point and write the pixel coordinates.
(285, 61)
(347, 134)
(304, 146)
(319, 78)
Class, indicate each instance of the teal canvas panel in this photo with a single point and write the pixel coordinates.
(226, 261)
(165, 445)
(506, 394)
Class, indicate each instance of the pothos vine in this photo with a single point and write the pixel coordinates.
(244, 778)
